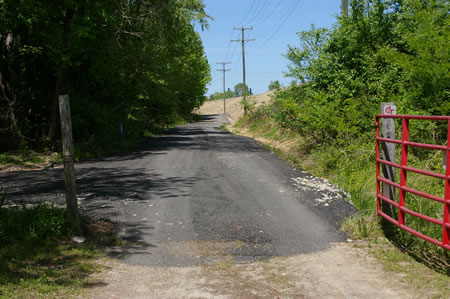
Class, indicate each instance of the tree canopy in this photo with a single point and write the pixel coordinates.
(239, 90)
(383, 51)
(274, 85)
(220, 95)
(139, 62)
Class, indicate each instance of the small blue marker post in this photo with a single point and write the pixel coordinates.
(121, 130)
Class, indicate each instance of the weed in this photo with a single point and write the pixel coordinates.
(32, 226)
(248, 103)
(24, 150)
(56, 158)
(225, 127)
(6, 159)
(36, 257)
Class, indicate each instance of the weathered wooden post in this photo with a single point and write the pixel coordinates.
(388, 151)
(69, 173)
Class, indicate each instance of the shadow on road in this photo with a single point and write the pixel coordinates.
(113, 176)
(105, 186)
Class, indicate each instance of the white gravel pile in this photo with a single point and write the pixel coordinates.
(325, 191)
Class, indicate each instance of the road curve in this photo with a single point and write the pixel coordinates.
(198, 193)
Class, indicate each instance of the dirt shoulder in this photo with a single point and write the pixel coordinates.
(343, 271)
(11, 162)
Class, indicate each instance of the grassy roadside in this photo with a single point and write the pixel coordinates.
(354, 172)
(28, 160)
(38, 258)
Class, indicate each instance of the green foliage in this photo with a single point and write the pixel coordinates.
(274, 85)
(119, 62)
(248, 103)
(303, 57)
(221, 95)
(34, 259)
(32, 226)
(7, 159)
(424, 59)
(384, 51)
(239, 90)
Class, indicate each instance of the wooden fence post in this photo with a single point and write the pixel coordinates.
(388, 151)
(69, 173)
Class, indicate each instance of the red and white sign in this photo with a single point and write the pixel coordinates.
(390, 109)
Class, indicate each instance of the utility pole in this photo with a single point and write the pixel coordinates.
(344, 8)
(243, 40)
(223, 70)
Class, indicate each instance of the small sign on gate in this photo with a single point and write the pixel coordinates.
(390, 109)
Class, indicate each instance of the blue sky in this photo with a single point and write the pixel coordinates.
(275, 24)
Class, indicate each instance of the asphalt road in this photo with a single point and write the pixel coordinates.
(198, 184)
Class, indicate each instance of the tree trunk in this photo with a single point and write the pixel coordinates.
(60, 84)
(6, 92)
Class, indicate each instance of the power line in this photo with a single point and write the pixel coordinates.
(281, 25)
(229, 44)
(255, 10)
(234, 51)
(261, 11)
(250, 9)
(270, 14)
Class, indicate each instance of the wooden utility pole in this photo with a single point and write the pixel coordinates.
(223, 70)
(388, 150)
(243, 40)
(344, 8)
(69, 173)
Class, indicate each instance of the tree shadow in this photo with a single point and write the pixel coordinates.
(112, 176)
(105, 185)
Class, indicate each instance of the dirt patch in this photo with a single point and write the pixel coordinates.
(285, 146)
(233, 108)
(19, 163)
(343, 271)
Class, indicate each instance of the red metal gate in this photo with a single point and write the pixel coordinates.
(444, 222)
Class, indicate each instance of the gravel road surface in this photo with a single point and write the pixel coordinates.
(198, 183)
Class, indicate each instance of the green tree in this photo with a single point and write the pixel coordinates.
(274, 85)
(303, 56)
(424, 56)
(239, 90)
(221, 95)
(118, 61)
(343, 72)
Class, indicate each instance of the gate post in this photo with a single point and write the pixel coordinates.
(446, 227)
(388, 151)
